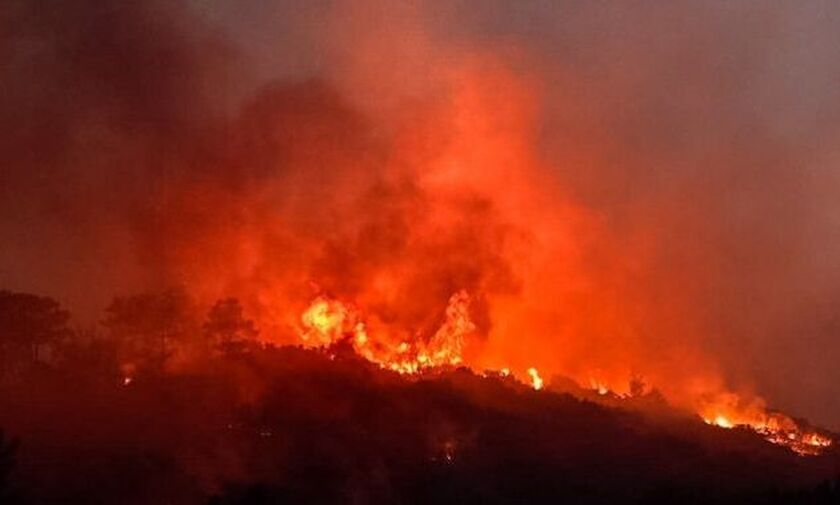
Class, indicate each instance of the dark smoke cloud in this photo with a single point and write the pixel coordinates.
(132, 132)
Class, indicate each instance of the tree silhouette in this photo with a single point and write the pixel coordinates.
(28, 323)
(147, 326)
(89, 352)
(227, 329)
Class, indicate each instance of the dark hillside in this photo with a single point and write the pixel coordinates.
(285, 425)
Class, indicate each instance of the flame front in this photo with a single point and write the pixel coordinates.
(775, 427)
(328, 321)
(786, 433)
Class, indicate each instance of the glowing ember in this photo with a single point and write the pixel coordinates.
(448, 451)
(128, 370)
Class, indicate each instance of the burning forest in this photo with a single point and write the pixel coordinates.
(419, 252)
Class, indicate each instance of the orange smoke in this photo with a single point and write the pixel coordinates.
(449, 242)
(433, 232)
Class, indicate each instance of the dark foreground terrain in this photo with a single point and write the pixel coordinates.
(284, 425)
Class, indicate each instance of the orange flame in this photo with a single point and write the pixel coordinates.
(536, 380)
(729, 412)
(327, 321)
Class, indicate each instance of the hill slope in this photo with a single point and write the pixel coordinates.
(285, 425)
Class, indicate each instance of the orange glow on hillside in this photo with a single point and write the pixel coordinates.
(444, 238)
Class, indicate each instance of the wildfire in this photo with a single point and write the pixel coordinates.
(536, 380)
(599, 386)
(720, 421)
(328, 321)
(776, 428)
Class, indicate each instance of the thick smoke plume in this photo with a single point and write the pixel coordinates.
(623, 190)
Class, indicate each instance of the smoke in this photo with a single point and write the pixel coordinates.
(621, 188)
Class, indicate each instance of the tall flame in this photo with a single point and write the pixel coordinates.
(327, 321)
